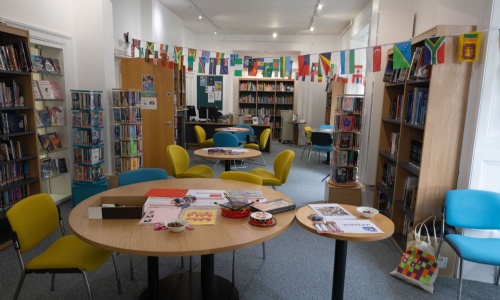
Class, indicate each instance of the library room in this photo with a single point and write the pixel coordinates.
(195, 149)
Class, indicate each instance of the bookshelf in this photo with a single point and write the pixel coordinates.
(180, 112)
(418, 159)
(266, 97)
(88, 145)
(127, 130)
(19, 164)
(333, 88)
(347, 121)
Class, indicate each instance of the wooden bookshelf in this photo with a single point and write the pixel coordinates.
(440, 134)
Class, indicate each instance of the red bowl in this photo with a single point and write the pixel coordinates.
(236, 213)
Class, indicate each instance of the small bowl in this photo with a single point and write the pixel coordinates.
(367, 212)
(182, 222)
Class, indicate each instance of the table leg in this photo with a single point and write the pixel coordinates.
(339, 269)
(227, 165)
(296, 134)
(207, 276)
(153, 277)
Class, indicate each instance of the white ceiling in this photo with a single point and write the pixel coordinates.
(264, 17)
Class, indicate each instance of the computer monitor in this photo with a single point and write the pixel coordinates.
(191, 112)
(213, 114)
(203, 112)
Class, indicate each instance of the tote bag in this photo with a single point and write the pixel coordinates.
(418, 265)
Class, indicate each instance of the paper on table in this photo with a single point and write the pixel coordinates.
(166, 192)
(200, 216)
(353, 226)
(206, 197)
(331, 211)
(160, 214)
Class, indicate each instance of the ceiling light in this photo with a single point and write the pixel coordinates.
(203, 15)
(200, 17)
(215, 32)
(314, 15)
(275, 35)
(311, 28)
(320, 6)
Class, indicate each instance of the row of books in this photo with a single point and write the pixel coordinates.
(384, 204)
(416, 107)
(415, 153)
(87, 138)
(53, 116)
(12, 172)
(126, 164)
(12, 196)
(50, 141)
(388, 174)
(46, 90)
(87, 119)
(248, 86)
(347, 122)
(127, 114)
(48, 164)
(40, 64)
(15, 57)
(410, 192)
(344, 175)
(348, 104)
(346, 140)
(396, 108)
(13, 122)
(85, 100)
(128, 131)
(247, 99)
(10, 149)
(88, 173)
(128, 148)
(11, 94)
(344, 158)
(88, 155)
(123, 98)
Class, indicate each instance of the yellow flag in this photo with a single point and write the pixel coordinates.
(468, 47)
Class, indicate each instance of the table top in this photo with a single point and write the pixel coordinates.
(232, 129)
(380, 220)
(297, 122)
(126, 236)
(251, 153)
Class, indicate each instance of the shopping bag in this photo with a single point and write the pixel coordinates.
(418, 265)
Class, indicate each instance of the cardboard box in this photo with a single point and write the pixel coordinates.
(447, 261)
(343, 195)
(126, 207)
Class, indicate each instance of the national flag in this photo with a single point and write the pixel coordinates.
(282, 66)
(434, 50)
(276, 66)
(304, 64)
(191, 52)
(205, 53)
(238, 67)
(320, 73)
(314, 70)
(288, 68)
(357, 77)
(245, 62)
(178, 56)
(163, 54)
(260, 65)
(220, 56)
(150, 50)
(373, 59)
(401, 55)
(268, 67)
(468, 47)
(232, 57)
(155, 58)
(201, 65)
(190, 63)
(136, 44)
(252, 66)
(224, 66)
(213, 66)
(325, 59)
(344, 62)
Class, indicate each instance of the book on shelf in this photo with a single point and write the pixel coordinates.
(394, 143)
(348, 104)
(36, 90)
(49, 65)
(383, 204)
(56, 91)
(55, 140)
(60, 164)
(46, 142)
(46, 167)
(46, 89)
(388, 70)
(410, 192)
(57, 115)
(388, 174)
(273, 206)
(331, 211)
(37, 64)
(14, 122)
(415, 153)
(416, 56)
(422, 71)
(57, 66)
(340, 158)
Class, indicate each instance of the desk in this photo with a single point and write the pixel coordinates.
(251, 153)
(127, 236)
(296, 131)
(341, 239)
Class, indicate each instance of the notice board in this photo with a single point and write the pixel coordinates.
(209, 91)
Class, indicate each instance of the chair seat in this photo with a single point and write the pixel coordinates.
(70, 252)
(207, 143)
(252, 146)
(199, 171)
(268, 178)
(479, 250)
(322, 148)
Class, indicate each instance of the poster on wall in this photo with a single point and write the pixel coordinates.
(148, 83)
(149, 100)
(211, 81)
(203, 80)
(218, 85)
(211, 97)
(218, 96)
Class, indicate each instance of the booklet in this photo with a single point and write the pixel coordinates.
(347, 226)
(197, 216)
(160, 215)
(331, 212)
(207, 197)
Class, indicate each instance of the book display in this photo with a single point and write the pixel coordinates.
(19, 161)
(179, 105)
(266, 99)
(346, 138)
(127, 128)
(421, 133)
(88, 146)
(333, 88)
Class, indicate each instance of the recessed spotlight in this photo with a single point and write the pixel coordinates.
(311, 29)
(275, 35)
(320, 6)
(215, 32)
(200, 17)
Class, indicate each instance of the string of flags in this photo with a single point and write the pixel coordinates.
(338, 65)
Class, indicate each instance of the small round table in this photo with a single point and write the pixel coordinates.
(341, 239)
(238, 154)
(232, 129)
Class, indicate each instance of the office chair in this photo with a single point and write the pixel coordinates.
(320, 142)
(226, 139)
(201, 137)
(136, 176)
(242, 136)
(33, 220)
(307, 132)
(473, 209)
(325, 126)
(282, 164)
(178, 158)
(245, 177)
(264, 137)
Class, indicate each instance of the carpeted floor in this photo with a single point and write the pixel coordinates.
(298, 265)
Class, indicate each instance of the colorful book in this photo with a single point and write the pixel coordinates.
(60, 164)
(46, 89)
(44, 117)
(45, 167)
(56, 90)
(36, 90)
(57, 115)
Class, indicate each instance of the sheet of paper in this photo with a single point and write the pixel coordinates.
(331, 211)
(354, 226)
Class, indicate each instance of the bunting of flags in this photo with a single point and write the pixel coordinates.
(401, 55)
(434, 50)
(468, 46)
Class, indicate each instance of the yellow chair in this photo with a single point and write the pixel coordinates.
(307, 132)
(201, 137)
(178, 159)
(282, 164)
(33, 220)
(264, 137)
(245, 177)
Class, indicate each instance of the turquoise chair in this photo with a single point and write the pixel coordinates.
(242, 136)
(325, 126)
(226, 139)
(473, 209)
(320, 142)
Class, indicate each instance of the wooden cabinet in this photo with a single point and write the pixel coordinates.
(422, 154)
(158, 118)
(266, 97)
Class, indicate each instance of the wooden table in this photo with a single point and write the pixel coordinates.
(251, 153)
(127, 236)
(295, 126)
(341, 239)
(232, 129)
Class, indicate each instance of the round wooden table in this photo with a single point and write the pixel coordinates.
(242, 153)
(126, 236)
(341, 239)
(232, 129)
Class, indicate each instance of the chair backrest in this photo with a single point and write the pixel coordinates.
(264, 137)
(141, 175)
(282, 164)
(201, 135)
(307, 132)
(321, 138)
(242, 136)
(33, 219)
(325, 126)
(473, 209)
(225, 139)
(178, 159)
(241, 176)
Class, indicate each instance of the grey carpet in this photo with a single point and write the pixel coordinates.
(298, 265)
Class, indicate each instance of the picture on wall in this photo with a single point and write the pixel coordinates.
(148, 83)
(203, 80)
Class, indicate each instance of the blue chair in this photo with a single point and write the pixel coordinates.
(320, 142)
(226, 139)
(136, 176)
(242, 136)
(325, 126)
(473, 209)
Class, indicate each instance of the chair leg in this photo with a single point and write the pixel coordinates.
(497, 280)
(303, 152)
(461, 268)
(190, 264)
(263, 251)
(309, 157)
(20, 284)
(118, 283)
(182, 262)
(87, 285)
(131, 269)
(53, 282)
(232, 273)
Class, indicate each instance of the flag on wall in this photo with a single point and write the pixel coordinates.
(268, 67)
(373, 59)
(252, 66)
(357, 77)
(401, 55)
(288, 67)
(212, 70)
(246, 60)
(304, 62)
(276, 66)
(205, 53)
(178, 56)
(163, 54)
(260, 65)
(150, 50)
(434, 50)
(325, 60)
(224, 66)
(190, 63)
(231, 59)
(347, 59)
(238, 67)
(220, 56)
(468, 46)
(201, 65)
(314, 70)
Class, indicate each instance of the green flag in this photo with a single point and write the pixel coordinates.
(401, 55)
